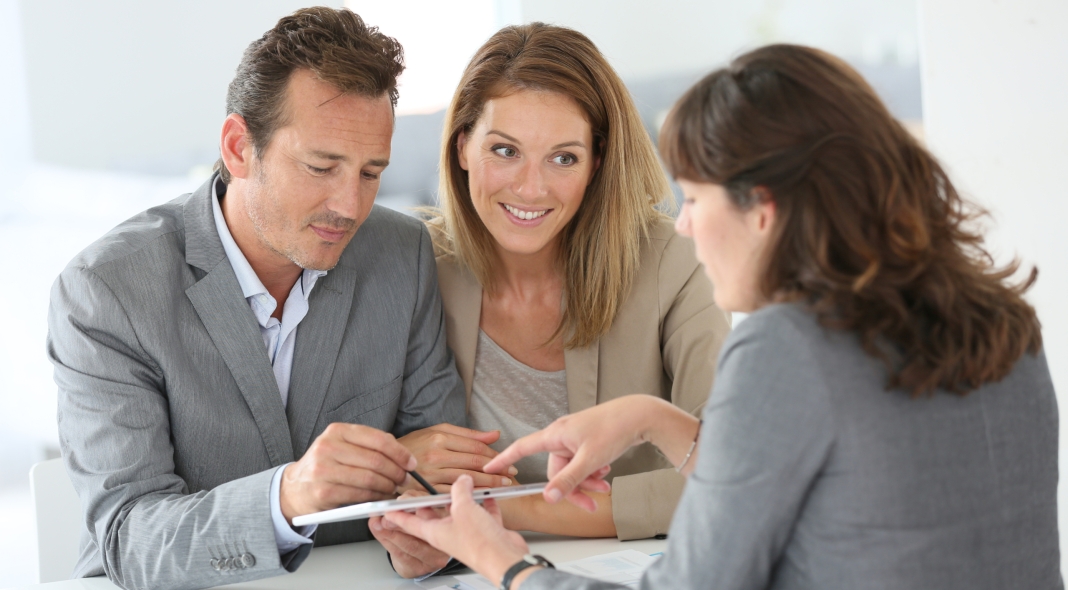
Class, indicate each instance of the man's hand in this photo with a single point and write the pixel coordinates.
(445, 452)
(347, 464)
(412, 557)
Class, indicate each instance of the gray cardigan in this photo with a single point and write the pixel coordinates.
(811, 475)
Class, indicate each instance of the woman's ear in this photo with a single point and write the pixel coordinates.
(763, 210)
(235, 146)
(596, 166)
(461, 143)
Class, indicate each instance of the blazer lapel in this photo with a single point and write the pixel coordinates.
(581, 367)
(318, 345)
(226, 316)
(461, 295)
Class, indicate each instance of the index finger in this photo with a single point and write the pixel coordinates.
(376, 440)
(531, 444)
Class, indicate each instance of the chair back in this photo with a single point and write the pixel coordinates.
(57, 519)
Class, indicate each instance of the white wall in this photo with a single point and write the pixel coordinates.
(650, 39)
(133, 85)
(15, 145)
(995, 100)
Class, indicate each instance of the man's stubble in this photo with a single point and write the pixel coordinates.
(270, 222)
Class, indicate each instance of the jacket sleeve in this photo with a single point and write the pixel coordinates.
(691, 334)
(432, 392)
(114, 430)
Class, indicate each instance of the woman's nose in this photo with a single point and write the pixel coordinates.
(529, 182)
(682, 224)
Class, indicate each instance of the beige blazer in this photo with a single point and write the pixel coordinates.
(663, 342)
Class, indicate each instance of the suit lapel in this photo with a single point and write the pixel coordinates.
(233, 328)
(581, 367)
(318, 345)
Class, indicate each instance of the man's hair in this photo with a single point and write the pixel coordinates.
(871, 233)
(333, 44)
(601, 245)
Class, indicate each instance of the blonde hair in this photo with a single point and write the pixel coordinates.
(601, 245)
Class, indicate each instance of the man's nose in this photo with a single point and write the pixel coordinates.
(529, 182)
(350, 198)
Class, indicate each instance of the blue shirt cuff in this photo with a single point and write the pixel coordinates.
(286, 537)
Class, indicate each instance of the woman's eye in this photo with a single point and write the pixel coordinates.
(565, 159)
(505, 151)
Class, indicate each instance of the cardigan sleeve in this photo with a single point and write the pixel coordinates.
(691, 333)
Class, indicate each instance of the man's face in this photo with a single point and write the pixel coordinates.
(316, 181)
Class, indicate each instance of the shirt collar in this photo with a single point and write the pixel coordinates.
(251, 285)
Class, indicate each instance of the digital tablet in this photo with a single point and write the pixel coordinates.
(369, 509)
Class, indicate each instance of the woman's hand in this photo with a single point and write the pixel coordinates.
(584, 444)
(445, 452)
(471, 533)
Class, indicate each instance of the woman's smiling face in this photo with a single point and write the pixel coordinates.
(529, 159)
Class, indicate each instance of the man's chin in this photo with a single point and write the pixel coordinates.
(321, 265)
(316, 262)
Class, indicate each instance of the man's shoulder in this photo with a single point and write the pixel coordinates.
(159, 228)
(386, 234)
(384, 219)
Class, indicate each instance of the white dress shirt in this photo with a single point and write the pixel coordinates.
(280, 338)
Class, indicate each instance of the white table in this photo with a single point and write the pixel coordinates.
(364, 565)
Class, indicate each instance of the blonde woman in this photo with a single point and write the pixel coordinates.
(564, 285)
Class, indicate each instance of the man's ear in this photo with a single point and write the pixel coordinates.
(461, 143)
(235, 146)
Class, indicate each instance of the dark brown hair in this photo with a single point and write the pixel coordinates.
(600, 246)
(870, 232)
(334, 44)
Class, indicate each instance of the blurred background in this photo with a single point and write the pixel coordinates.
(112, 106)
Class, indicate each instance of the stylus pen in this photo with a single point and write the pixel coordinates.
(423, 482)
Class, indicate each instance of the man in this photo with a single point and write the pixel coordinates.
(272, 316)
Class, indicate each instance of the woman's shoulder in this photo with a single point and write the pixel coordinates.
(439, 236)
(452, 274)
(782, 343)
(667, 253)
(779, 322)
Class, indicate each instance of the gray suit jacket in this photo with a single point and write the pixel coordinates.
(812, 476)
(170, 419)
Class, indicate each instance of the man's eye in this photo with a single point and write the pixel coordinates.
(370, 175)
(506, 151)
(565, 159)
(318, 171)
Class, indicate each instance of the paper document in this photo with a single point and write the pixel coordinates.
(620, 567)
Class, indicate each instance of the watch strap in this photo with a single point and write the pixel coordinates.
(528, 560)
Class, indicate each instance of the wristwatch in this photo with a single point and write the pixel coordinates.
(527, 561)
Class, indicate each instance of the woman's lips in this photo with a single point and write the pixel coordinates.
(518, 216)
(327, 234)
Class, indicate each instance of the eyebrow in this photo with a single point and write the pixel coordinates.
(340, 158)
(555, 147)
